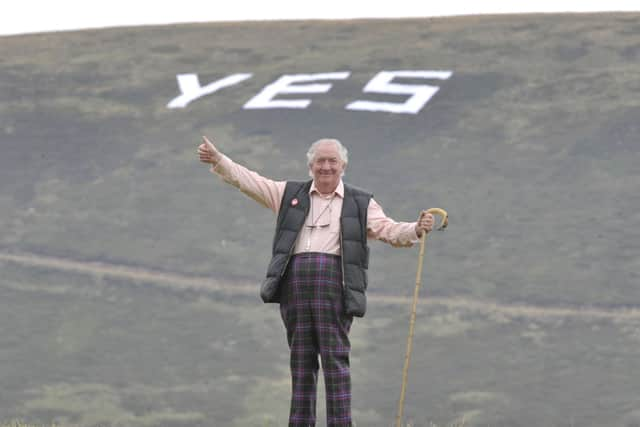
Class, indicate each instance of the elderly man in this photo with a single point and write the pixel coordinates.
(318, 272)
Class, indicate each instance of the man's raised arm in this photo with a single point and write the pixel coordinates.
(263, 190)
(398, 234)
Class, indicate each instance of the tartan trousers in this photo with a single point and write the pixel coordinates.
(311, 307)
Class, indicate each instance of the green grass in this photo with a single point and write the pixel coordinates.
(21, 424)
(534, 129)
(18, 423)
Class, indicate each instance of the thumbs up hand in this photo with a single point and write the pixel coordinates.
(208, 152)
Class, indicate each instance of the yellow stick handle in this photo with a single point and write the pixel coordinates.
(443, 215)
(412, 319)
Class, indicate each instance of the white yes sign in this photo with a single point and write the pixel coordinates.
(381, 83)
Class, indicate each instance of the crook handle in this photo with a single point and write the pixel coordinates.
(443, 214)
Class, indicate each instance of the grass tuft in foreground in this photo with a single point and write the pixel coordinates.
(18, 423)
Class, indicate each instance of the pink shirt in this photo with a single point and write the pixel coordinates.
(321, 232)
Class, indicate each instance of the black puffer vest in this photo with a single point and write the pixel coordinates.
(353, 243)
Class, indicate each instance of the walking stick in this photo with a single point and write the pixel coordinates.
(412, 320)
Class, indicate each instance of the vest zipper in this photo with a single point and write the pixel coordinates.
(293, 246)
(342, 255)
(286, 264)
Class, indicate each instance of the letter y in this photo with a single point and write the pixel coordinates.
(191, 90)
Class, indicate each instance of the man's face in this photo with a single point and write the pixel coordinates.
(327, 167)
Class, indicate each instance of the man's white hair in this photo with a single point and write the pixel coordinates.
(342, 151)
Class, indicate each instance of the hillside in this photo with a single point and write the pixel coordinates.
(531, 142)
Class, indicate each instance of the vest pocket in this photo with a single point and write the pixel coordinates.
(365, 257)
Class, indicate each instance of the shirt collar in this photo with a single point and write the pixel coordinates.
(339, 191)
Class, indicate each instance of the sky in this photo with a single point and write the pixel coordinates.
(33, 16)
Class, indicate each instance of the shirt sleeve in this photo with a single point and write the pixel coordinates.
(381, 227)
(263, 190)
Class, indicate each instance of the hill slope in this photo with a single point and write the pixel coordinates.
(531, 144)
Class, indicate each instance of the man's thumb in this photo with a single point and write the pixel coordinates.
(208, 143)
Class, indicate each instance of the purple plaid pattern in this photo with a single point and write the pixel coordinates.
(311, 308)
